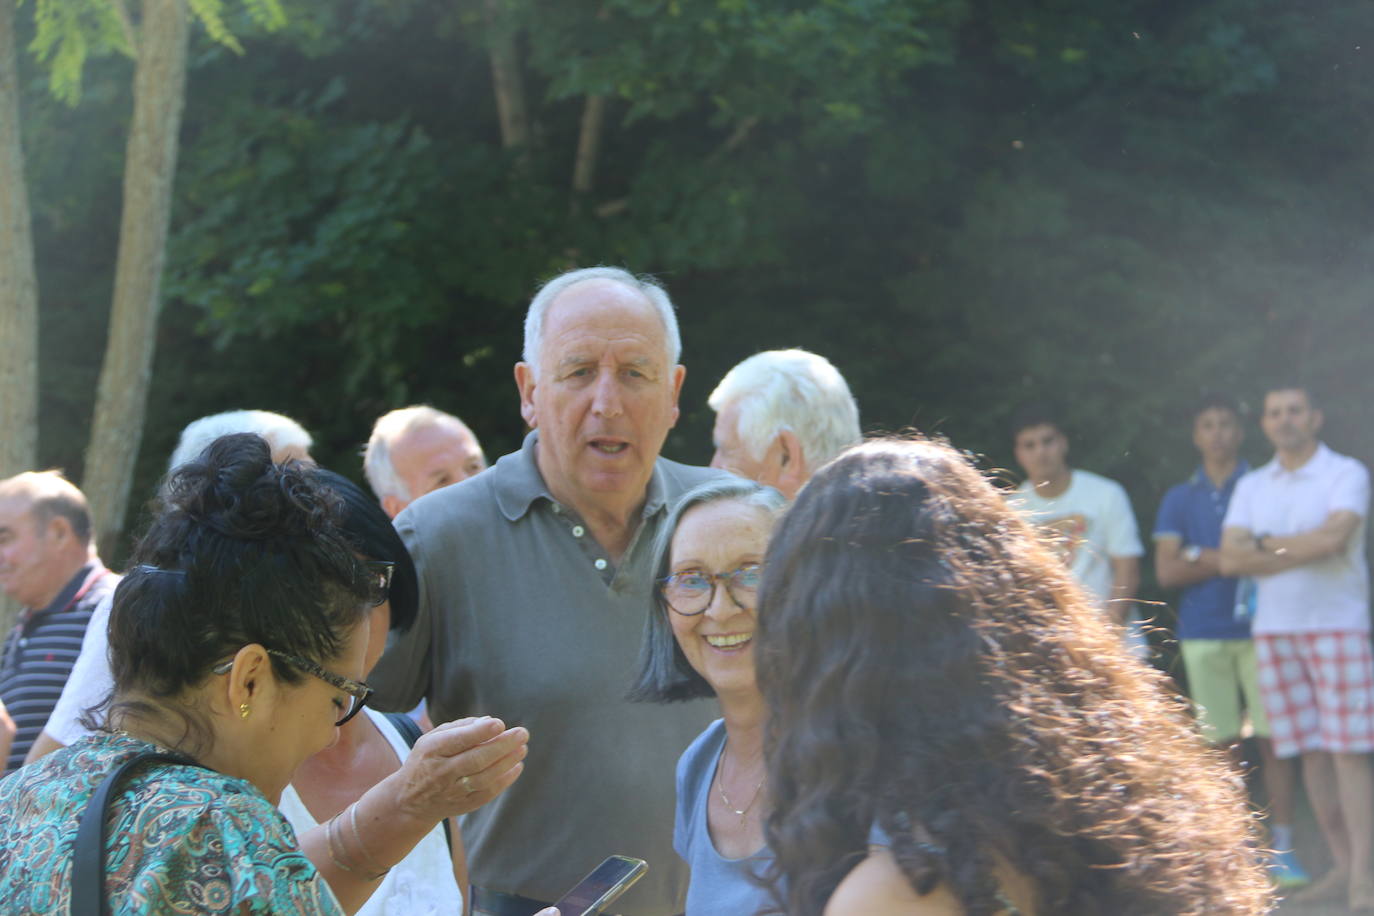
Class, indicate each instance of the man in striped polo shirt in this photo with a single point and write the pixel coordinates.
(48, 565)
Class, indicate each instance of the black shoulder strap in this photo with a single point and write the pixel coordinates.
(88, 857)
(408, 727)
(410, 731)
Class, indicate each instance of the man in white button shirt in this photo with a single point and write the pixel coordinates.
(1297, 525)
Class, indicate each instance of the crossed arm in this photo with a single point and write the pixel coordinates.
(1241, 555)
(1173, 571)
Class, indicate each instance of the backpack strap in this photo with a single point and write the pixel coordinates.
(410, 731)
(88, 856)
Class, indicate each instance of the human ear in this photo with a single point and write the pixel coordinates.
(59, 528)
(679, 374)
(247, 679)
(792, 462)
(525, 383)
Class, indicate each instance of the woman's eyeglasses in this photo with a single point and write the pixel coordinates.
(691, 592)
(379, 576)
(358, 692)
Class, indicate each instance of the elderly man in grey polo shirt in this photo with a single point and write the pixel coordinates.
(535, 580)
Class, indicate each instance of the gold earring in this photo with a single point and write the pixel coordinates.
(244, 710)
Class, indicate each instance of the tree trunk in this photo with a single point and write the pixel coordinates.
(506, 81)
(588, 144)
(18, 286)
(149, 167)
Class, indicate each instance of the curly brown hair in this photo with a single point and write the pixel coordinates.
(931, 668)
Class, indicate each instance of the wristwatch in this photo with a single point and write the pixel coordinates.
(1259, 542)
(1192, 553)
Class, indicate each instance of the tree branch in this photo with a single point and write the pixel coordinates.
(736, 138)
(127, 23)
(588, 144)
(506, 81)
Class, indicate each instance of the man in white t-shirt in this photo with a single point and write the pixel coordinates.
(1297, 525)
(1090, 515)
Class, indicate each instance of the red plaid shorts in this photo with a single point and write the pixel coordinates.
(1318, 691)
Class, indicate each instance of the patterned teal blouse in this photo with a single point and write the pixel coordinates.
(182, 839)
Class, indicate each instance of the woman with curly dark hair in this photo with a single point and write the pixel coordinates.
(936, 681)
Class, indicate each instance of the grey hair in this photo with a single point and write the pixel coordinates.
(377, 467)
(280, 432)
(644, 285)
(795, 390)
(51, 495)
(665, 675)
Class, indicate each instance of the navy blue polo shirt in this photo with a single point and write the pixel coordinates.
(1192, 511)
(40, 651)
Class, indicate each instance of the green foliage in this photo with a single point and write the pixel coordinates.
(68, 32)
(964, 206)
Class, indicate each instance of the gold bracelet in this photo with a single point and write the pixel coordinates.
(358, 838)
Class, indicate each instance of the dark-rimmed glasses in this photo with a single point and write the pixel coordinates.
(357, 691)
(379, 575)
(691, 592)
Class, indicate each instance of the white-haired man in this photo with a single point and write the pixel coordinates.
(417, 450)
(287, 438)
(47, 565)
(780, 415)
(534, 580)
(90, 681)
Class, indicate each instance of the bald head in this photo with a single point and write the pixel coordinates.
(45, 535)
(416, 450)
(653, 294)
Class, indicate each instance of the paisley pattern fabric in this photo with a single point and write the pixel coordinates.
(181, 839)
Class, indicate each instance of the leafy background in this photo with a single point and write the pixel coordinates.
(963, 203)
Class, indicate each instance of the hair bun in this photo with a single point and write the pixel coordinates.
(234, 489)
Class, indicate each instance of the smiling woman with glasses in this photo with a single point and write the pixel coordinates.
(699, 643)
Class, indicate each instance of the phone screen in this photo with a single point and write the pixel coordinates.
(607, 881)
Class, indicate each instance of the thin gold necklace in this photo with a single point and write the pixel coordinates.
(720, 787)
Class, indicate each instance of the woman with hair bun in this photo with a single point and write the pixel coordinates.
(237, 644)
(954, 729)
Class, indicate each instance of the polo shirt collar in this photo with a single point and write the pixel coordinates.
(518, 483)
(69, 590)
(1313, 465)
(1200, 478)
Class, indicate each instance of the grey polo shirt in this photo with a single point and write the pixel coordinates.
(524, 616)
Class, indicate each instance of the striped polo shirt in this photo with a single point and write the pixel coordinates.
(40, 651)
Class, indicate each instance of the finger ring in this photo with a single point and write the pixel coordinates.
(467, 784)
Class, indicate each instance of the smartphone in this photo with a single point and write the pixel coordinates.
(599, 889)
